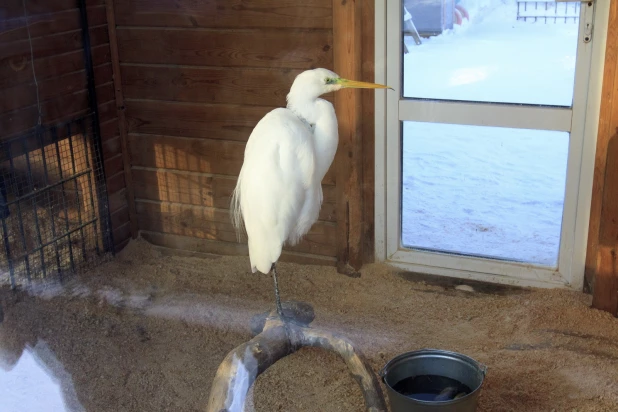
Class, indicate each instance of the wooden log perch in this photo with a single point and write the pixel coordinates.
(277, 339)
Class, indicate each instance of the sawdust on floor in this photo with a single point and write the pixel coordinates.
(147, 331)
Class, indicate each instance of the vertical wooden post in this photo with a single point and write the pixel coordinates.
(368, 129)
(601, 270)
(120, 109)
(348, 160)
(605, 294)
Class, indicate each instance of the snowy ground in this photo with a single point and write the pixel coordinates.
(31, 385)
(480, 190)
(495, 58)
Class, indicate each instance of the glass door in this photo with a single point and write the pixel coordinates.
(485, 137)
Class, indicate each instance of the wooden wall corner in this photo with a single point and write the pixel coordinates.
(347, 52)
(601, 273)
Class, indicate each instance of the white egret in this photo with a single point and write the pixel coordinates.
(279, 193)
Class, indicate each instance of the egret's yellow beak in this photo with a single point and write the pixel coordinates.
(353, 84)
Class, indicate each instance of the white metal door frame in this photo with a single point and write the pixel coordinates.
(581, 121)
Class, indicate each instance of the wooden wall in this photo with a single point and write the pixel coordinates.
(55, 31)
(601, 261)
(196, 78)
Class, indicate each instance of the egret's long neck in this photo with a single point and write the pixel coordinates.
(320, 114)
(303, 107)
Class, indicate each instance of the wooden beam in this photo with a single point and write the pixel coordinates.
(120, 108)
(266, 48)
(214, 224)
(188, 245)
(234, 14)
(202, 189)
(368, 130)
(605, 294)
(347, 55)
(609, 94)
(601, 272)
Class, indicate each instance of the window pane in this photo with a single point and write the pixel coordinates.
(497, 55)
(484, 191)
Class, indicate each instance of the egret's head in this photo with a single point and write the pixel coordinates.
(311, 84)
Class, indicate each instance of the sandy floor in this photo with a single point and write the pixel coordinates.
(147, 331)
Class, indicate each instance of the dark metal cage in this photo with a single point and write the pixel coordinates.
(54, 214)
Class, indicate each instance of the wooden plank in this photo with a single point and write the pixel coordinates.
(608, 122)
(54, 110)
(196, 155)
(608, 233)
(113, 166)
(17, 97)
(202, 189)
(294, 49)
(12, 123)
(186, 245)
(122, 234)
(605, 293)
(228, 122)
(121, 109)
(368, 131)
(118, 246)
(109, 130)
(70, 83)
(117, 200)
(214, 224)
(52, 66)
(225, 13)
(15, 8)
(189, 243)
(245, 86)
(48, 23)
(605, 296)
(107, 111)
(72, 103)
(192, 155)
(183, 187)
(120, 217)
(348, 160)
(116, 182)
(111, 147)
(25, 94)
(18, 51)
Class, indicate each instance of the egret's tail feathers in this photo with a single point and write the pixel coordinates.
(263, 253)
(236, 212)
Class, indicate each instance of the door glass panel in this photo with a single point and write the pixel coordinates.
(490, 51)
(483, 191)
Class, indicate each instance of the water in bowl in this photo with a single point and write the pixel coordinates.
(432, 388)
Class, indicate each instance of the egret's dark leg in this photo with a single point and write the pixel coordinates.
(277, 298)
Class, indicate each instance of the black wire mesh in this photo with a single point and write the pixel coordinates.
(53, 204)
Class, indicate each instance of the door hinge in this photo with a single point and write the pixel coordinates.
(588, 21)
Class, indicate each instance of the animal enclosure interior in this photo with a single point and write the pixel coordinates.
(125, 286)
(52, 222)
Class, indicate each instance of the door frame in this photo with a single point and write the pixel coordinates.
(582, 119)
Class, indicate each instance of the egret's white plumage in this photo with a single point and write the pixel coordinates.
(278, 194)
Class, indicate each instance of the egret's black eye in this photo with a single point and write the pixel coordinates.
(329, 80)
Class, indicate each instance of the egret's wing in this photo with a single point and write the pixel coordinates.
(276, 175)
